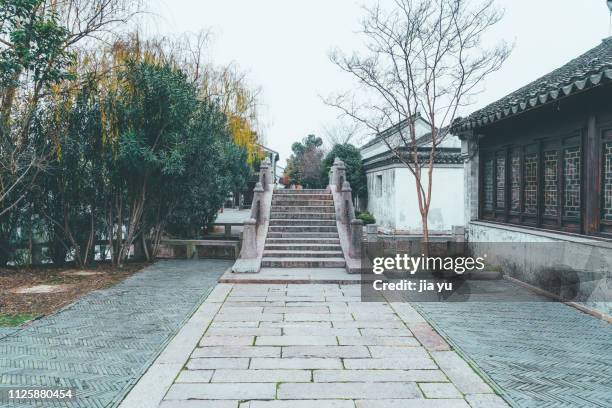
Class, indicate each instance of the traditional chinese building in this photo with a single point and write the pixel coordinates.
(539, 170)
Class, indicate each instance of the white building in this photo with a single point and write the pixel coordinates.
(392, 197)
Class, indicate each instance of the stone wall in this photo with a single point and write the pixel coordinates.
(575, 268)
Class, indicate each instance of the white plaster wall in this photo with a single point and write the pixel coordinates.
(446, 208)
(383, 206)
(398, 208)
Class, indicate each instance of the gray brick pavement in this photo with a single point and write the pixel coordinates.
(105, 340)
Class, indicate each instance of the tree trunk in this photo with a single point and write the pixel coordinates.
(5, 252)
(58, 252)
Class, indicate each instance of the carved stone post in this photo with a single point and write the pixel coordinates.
(339, 173)
(265, 174)
(347, 205)
(249, 239)
(256, 208)
(356, 232)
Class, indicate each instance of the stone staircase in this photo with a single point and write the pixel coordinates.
(302, 232)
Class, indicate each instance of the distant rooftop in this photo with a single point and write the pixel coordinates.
(589, 70)
(393, 130)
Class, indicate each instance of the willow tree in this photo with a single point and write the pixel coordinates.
(38, 44)
(423, 57)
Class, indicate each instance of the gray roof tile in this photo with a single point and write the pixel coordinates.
(587, 71)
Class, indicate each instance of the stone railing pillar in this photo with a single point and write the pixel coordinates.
(249, 239)
(356, 235)
(348, 213)
(339, 174)
(265, 174)
(350, 229)
(258, 192)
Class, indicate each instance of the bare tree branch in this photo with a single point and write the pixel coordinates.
(424, 58)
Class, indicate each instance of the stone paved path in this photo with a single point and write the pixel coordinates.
(540, 353)
(305, 346)
(105, 340)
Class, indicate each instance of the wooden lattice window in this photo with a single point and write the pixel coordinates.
(500, 182)
(606, 211)
(530, 183)
(540, 183)
(515, 181)
(488, 185)
(571, 182)
(551, 183)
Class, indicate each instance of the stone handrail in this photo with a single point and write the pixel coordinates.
(350, 229)
(256, 227)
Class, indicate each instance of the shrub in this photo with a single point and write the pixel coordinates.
(366, 217)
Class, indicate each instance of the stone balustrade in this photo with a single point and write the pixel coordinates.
(350, 229)
(255, 227)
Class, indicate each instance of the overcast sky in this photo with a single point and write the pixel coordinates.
(284, 47)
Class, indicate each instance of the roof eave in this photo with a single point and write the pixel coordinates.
(578, 86)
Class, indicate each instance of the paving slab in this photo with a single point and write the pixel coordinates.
(293, 275)
(439, 390)
(200, 404)
(233, 391)
(361, 390)
(321, 348)
(299, 404)
(216, 363)
(413, 403)
(378, 375)
(274, 376)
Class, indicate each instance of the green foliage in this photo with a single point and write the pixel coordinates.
(70, 195)
(36, 42)
(129, 164)
(366, 217)
(355, 174)
(214, 166)
(304, 165)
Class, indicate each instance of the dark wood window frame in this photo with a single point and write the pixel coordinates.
(536, 157)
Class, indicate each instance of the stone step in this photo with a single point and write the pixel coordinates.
(302, 216)
(283, 201)
(302, 228)
(300, 246)
(301, 254)
(271, 262)
(303, 191)
(302, 241)
(303, 209)
(294, 222)
(302, 197)
(303, 235)
(280, 276)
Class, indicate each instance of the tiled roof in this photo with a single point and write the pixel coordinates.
(392, 130)
(443, 156)
(587, 71)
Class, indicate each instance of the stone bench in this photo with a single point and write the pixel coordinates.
(198, 248)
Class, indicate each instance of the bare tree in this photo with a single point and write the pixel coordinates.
(424, 57)
(342, 132)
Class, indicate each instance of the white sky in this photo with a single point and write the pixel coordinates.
(284, 47)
